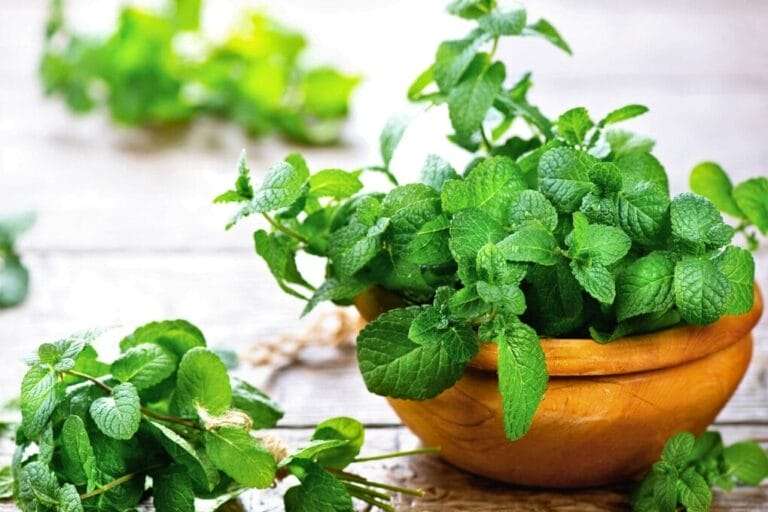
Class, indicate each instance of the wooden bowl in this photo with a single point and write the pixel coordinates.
(606, 413)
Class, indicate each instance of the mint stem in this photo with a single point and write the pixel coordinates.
(91, 378)
(285, 229)
(351, 477)
(419, 451)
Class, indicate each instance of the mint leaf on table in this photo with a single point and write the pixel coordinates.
(118, 415)
(738, 267)
(564, 178)
(348, 430)
(710, 180)
(694, 492)
(202, 382)
(678, 450)
(701, 290)
(392, 363)
(645, 286)
(470, 100)
(241, 456)
(522, 376)
(144, 365)
(751, 196)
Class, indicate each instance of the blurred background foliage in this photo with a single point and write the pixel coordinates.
(158, 68)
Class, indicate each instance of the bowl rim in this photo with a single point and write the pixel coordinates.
(577, 357)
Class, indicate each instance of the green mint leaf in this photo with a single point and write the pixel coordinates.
(710, 180)
(701, 290)
(747, 462)
(243, 190)
(344, 429)
(564, 178)
(470, 230)
(241, 456)
(395, 365)
(454, 57)
(695, 220)
(391, 136)
(436, 172)
(504, 22)
(471, 9)
(69, 499)
(491, 187)
(522, 377)
(200, 469)
(38, 488)
(573, 125)
(624, 143)
(642, 213)
(678, 450)
(178, 336)
(279, 252)
(335, 290)
(544, 29)
(264, 412)
(600, 244)
(638, 168)
(622, 114)
(493, 267)
(531, 243)
(172, 490)
(144, 365)
(415, 91)
(77, 457)
(14, 279)
(409, 208)
(429, 246)
(334, 183)
(738, 266)
(596, 280)
(471, 98)
(532, 206)
(202, 381)
(40, 393)
(645, 286)
(353, 246)
(607, 178)
(554, 297)
(600, 210)
(319, 490)
(694, 492)
(118, 415)
(7, 482)
(752, 198)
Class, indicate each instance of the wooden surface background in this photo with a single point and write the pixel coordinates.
(127, 234)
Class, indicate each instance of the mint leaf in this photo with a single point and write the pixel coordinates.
(694, 492)
(243, 190)
(504, 22)
(202, 381)
(531, 205)
(355, 245)
(622, 114)
(390, 138)
(678, 450)
(564, 178)
(172, 490)
(752, 198)
(470, 230)
(279, 253)
(522, 377)
(69, 499)
(242, 457)
(429, 246)
(710, 180)
(624, 143)
(701, 290)
(544, 29)
(336, 290)
(118, 415)
(739, 268)
(200, 470)
(747, 462)
(263, 411)
(642, 213)
(645, 286)
(471, 9)
(600, 244)
(37, 487)
(554, 297)
(638, 168)
(77, 457)
(607, 178)
(695, 220)
(178, 336)
(319, 491)
(573, 125)
(454, 57)
(395, 365)
(282, 185)
(40, 392)
(595, 279)
(470, 100)
(144, 365)
(491, 186)
(334, 183)
(344, 429)
(531, 243)
(436, 172)
(415, 91)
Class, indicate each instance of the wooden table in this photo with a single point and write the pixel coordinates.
(127, 233)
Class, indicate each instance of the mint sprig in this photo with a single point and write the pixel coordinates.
(93, 433)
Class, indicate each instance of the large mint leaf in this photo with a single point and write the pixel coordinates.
(573, 125)
(522, 377)
(334, 183)
(642, 213)
(640, 167)
(454, 57)
(747, 461)
(429, 245)
(710, 180)
(532, 243)
(490, 187)
(355, 245)
(694, 492)
(77, 457)
(118, 415)
(564, 178)
(738, 266)
(319, 490)
(752, 198)
(203, 474)
(701, 290)
(597, 243)
(696, 221)
(409, 208)
(436, 172)
(470, 100)
(645, 286)
(40, 392)
(532, 206)
(37, 487)
(172, 490)
(69, 499)
(241, 456)
(202, 381)
(175, 335)
(344, 429)
(596, 280)
(395, 365)
(144, 365)
(470, 231)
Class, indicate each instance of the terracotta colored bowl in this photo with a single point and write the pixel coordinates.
(606, 413)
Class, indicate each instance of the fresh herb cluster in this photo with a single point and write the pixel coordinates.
(569, 230)
(690, 467)
(93, 434)
(14, 276)
(158, 68)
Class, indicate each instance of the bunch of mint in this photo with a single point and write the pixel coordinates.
(14, 276)
(690, 467)
(93, 434)
(568, 230)
(158, 68)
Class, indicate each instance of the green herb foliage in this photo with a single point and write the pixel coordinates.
(14, 276)
(92, 433)
(691, 467)
(158, 68)
(568, 229)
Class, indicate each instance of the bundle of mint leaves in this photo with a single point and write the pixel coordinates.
(14, 276)
(158, 69)
(165, 419)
